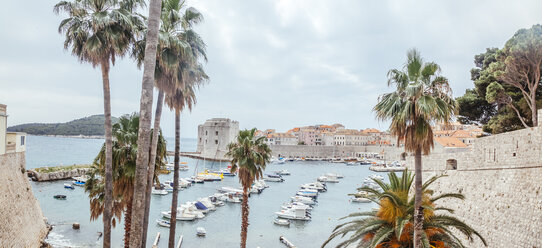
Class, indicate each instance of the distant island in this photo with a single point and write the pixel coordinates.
(87, 126)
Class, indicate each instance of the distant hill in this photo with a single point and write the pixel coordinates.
(88, 126)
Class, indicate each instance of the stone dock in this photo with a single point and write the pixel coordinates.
(197, 155)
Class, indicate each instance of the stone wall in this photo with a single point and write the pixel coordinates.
(500, 177)
(388, 152)
(23, 223)
(58, 175)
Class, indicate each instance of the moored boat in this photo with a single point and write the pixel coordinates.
(60, 197)
(159, 191)
(281, 222)
(200, 231)
(163, 223)
(68, 186)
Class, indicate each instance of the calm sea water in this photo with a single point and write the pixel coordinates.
(223, 225)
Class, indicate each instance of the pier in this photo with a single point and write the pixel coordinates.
(197, 155)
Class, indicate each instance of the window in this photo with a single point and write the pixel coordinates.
(199, 139)
(216, 133)
(205, 132)
(22, 140)
(216, 142)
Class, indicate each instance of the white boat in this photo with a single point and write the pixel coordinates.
(158, 191)
(68, 186)
(233, 198)
(303, 199)
(181, 215)
(281, 161)
(334, 175)
(314, 186)
(294, 214)
(376, 177)
(190, 208)
(297, 204)
(200, 231)
(360, 199)
(351, 163)
(79, 181)
(183, 167)
(283, 172)
(328, 179)
(307, 192)
(281, 222)
(163, 223)
(207, 202)
(167, 186)
(230, 190)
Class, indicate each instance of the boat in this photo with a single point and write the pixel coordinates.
(167, 186)
(200, 231)
(351, 163)
(334, 175)
(182, 214)
(183, 167)
(163, 223)
(225, 172)
(321, 187)
(60, 197)
(328, 179)
(361, 199)
(233, 198)
(79, 181)
(282, 172)
(281, 222)
(207, 203)
(297, 204)
(303, 199)
(273, 179)
(68, 186)
(209, 176)
(294, 213)
(281, 160)
(376, 177)
(159, 191)
(307, 192)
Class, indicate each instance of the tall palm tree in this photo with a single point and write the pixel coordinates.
(249, 156)
(177, 42)
(392, 224)
(421, 98)
(145, 110)
(124, 157)
(96, 32)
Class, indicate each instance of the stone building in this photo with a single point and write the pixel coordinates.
(23, 224)
(214, 136)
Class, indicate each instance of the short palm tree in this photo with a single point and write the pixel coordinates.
(421, 98)
(391, 226)
(96, 32)
(250, 156)
(124, 157)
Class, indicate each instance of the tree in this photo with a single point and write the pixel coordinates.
(522, 61)
(250, 156)
(421, 98)
(177, 43)
(145, 111)
(124, 157)
(392, 224)
(97, 31)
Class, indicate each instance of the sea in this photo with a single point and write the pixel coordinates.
(223, 225)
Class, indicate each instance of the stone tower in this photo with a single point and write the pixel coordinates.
(214, 136)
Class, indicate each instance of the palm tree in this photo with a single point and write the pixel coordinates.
(143, 142)
(97, 31)
(392, 224)
(421, 98)
(249, 157)
(124, 157)
(177, 42)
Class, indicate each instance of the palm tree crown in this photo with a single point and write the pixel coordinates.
(391, 226)
(422, 97)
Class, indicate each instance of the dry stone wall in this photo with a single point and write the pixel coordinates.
(501, 178)
(23, 224)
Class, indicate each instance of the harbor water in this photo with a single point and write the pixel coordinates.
(223, 225)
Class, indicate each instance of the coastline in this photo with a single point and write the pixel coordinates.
(70, 136)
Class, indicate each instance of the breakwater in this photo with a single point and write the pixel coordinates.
(57, 173)
(500, 178)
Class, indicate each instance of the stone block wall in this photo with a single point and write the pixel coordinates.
(389, 152)
(23, 223)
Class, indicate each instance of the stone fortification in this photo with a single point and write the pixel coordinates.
(500, 178)
(297, 151)
(57, 175)
(214, 136)
(23, 223)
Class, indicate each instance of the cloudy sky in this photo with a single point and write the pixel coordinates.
(273, 64)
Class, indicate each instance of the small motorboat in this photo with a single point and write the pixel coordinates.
(361, 200)
(60, 197)
(281, 222)
(163, 223)
(283, 172)
(68, 186)
(79, 181)
(183, 167)
(159, 191)
(200, 231)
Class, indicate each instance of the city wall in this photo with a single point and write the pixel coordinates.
(23, 224)
(297, 151)
(500, 177)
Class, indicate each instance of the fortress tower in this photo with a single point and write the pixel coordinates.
(214, 136)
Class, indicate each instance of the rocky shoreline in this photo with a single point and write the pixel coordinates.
(56, 175)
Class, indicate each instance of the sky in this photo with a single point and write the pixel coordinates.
(272, 63)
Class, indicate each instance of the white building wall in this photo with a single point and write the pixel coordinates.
(3, 128)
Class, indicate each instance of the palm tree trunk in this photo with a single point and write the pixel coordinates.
(244, 218)
(127, 223)
(152, 164)
(173, 220)
(418, 210)
(145, 112)
(108, 201)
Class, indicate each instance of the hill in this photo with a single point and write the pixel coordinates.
(88, 126)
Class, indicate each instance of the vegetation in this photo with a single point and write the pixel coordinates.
(250, 156)
(61, 168)
(124, 157)
(88, 126)
(96, 32)
(507, 93)
(422, 97)
(392, 225)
